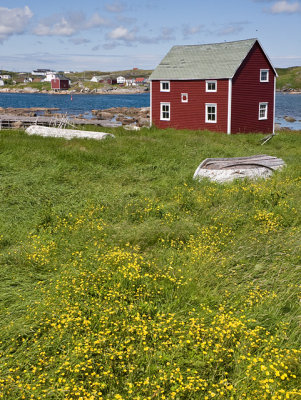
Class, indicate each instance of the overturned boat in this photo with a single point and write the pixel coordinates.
(228, 169)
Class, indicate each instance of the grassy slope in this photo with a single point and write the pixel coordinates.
(89, 74)
(121, 277)
(289, 78)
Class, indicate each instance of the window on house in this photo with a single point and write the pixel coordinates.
(184, 97)
(264, 75)
(263, 111)
(211, 86)
(211, 113)
(165, 111)
(164, 86)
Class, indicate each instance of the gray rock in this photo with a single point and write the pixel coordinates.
(104, 115)
(289, 119)
(30, 90)
(143, 121)
(17, 125)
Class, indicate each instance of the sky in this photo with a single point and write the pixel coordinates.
(112, 35)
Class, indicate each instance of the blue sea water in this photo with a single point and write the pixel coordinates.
(286, 104)
(75, 104)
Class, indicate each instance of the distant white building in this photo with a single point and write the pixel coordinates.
(121, 80)
(1, 82)
(130, 82)
(49, 76)
(96, 79)
(5, 76)
(40, 72)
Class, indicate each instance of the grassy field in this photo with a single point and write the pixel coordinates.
(74, 76)
(123, 278)
(289, 78)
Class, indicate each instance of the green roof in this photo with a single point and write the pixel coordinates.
(206, 61)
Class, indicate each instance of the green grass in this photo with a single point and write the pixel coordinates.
(90, 74)
(123, 278)
(289, 78)
(34, 85)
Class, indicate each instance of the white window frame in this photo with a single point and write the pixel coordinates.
(210, 121)
(162, 83)
(184, 97)
(207, 86)
(161, 111)
(267, 75)
(266, 105)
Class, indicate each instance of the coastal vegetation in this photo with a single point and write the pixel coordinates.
(123, 278)
(87, 75)
(80, 81)
(289, 78)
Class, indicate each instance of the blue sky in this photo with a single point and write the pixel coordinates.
(114, 35)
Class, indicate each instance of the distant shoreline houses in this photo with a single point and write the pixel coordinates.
(5, 77)
(62, 80)
(120, 80)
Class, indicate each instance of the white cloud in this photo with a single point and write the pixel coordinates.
(191, 30)
(60, 28)
(285, 7)
(13, 21)
(96, 21)
(121, 33)
(68, 25)
(115, 7)
(123, 36)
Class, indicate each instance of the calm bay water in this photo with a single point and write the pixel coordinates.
(80, 103)
(286, 104)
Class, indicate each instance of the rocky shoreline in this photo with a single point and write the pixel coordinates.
(292, 91)
(129, 117)
(125, 115)
(83, 90)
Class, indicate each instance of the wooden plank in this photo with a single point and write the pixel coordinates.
(239, 158)
(259, 161)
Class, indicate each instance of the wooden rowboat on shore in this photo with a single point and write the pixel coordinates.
(228, 169)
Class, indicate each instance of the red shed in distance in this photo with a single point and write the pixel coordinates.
(60, 84)
(223, 87)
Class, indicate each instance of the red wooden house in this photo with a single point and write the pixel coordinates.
(224, 87)
(139, 81)
(60, 83)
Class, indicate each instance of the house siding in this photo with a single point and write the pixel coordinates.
(59, 84)
(248, 92)
(191, 114)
